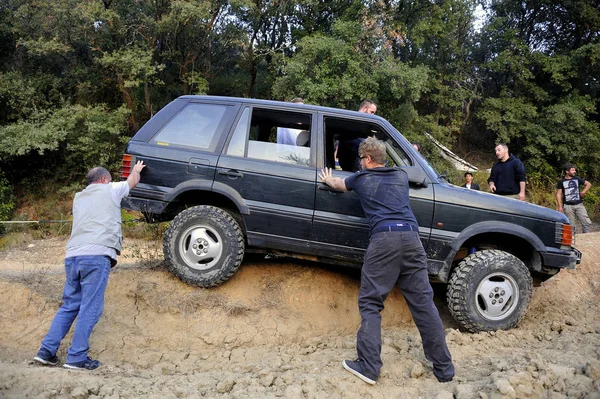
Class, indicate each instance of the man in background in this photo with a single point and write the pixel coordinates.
(469, 182)
(569, 197)
(368, 107)
(92, 250)
(508, 175)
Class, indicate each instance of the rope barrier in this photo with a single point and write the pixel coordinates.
(34, 221)
(56, 221)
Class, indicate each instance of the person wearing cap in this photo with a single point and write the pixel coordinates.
(394, 257)
(569, 197)
(469, 182)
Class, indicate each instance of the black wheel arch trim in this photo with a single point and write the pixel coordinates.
(498, 227)
(483, 228)
(207, 185)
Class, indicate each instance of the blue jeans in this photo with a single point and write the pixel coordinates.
(397, 258)
(83, 298)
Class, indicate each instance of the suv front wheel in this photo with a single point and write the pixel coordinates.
(203, 246)
(489, 290)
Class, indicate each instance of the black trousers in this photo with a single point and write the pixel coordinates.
(398, 258)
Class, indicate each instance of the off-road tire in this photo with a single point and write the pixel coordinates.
(219, 246)
(482, 278)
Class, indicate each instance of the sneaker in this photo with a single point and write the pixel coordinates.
(87, 364)
(356, 368)
(46, 358)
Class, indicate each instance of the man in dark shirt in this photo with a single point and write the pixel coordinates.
(395, 256)
(469, 182)
(508, 174)
(347, 150)
(568, 197)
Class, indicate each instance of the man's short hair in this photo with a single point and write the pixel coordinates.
(374, 148)
(297, 100)
(97, 173)
(502, 145)
(468, 173)
(567, 167)
(366, 103)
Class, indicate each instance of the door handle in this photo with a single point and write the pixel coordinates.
(231, 173)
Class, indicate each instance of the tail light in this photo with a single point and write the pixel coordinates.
(126, 163)
(564, 234)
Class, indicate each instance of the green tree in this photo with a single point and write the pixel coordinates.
(541, 64)
(340, 70)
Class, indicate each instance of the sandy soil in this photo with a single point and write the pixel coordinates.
(281, 329)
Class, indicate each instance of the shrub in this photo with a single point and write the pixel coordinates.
(7, 201)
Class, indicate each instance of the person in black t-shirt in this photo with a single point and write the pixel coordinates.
(568, 197)
(395, 256)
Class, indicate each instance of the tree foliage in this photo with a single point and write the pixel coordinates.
(78, 78)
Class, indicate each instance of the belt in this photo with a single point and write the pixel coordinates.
(394, 227)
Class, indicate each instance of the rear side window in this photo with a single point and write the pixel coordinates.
(273, 135)
(194, 126)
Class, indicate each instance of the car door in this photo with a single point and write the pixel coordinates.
(340, 228)
(275, 180)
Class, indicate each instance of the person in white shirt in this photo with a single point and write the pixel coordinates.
(92, 250)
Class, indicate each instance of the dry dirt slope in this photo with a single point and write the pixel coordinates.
(281, 330)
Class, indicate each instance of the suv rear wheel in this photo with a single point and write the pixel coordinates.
(489, 290)
(204, 246)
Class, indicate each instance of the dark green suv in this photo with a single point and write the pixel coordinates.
(237, 175)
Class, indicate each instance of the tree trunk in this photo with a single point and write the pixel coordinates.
(128, 98)
(147, 99)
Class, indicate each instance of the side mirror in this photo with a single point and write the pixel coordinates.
(416, 175)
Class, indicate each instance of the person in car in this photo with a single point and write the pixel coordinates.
(346, 151)
(291, 136)
(394, 257)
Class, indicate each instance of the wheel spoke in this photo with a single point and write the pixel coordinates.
(214, 249)
(190, 252)
(199, 235)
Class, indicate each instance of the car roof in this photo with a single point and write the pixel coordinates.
(287, 104)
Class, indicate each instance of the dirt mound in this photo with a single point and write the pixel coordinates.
(281, 329)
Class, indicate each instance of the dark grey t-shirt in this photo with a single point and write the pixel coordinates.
(383, 194)
(570, 188)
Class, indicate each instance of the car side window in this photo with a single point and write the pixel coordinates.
(194, 126)
(272, 135)
(237, 145)
(343, 137)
